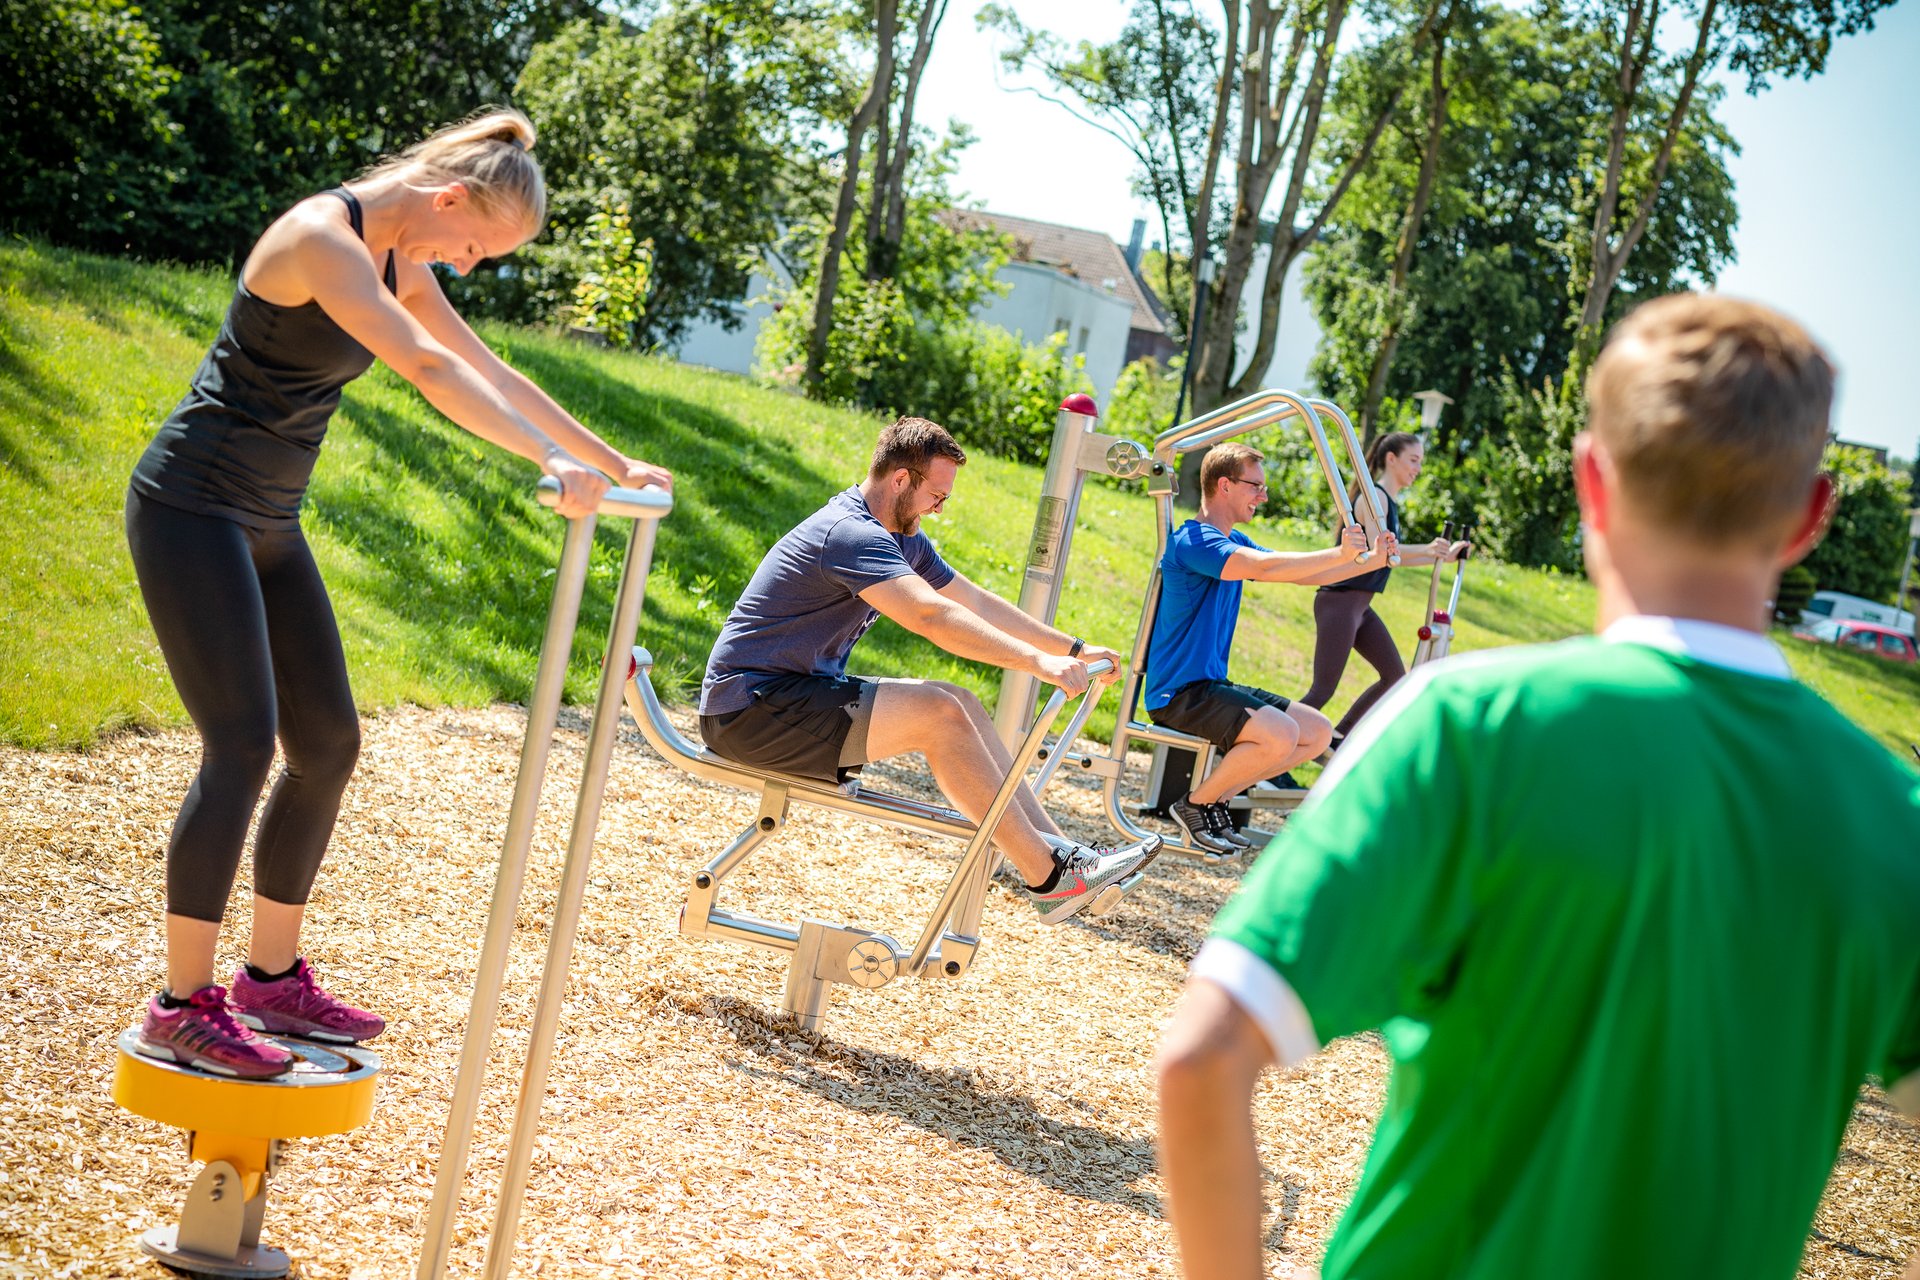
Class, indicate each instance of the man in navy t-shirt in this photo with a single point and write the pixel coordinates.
(1261, 733)
(777, 695)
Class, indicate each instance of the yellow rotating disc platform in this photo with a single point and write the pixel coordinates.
(236, 1127)
(329, 1090)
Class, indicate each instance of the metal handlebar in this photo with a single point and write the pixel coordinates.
(1071, 733)
(646, 507)
(649, 503)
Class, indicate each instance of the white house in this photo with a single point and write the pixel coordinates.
(1059, 279)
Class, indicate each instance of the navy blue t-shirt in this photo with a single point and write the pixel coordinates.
(802, 612)
(1194, 629)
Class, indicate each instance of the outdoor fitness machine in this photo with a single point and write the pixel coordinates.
(1436, 633)
(236, 1127)
(645, 507)
(1077, 451)
(823, 953)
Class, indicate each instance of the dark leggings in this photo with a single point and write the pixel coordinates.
(1344, 622)
(249, 637)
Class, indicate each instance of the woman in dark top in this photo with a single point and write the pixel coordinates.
(213, 521)
(1343, 615)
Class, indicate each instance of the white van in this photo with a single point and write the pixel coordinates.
(1835, 606)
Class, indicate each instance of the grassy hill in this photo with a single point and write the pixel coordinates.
(440, 563)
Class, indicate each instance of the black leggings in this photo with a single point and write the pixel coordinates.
(1344, 622)
(249, 637)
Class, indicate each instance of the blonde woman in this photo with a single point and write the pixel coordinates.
(213, 522)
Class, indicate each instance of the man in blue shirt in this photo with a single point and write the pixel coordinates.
(1261, 734)
(777, 695)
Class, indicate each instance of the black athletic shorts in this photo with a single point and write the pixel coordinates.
(810, 726)
(1216, 710)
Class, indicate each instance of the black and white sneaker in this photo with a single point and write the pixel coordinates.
(1223, 829)
(1197, 824)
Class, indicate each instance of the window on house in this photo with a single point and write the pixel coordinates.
(1082, 348)
(1063, 325)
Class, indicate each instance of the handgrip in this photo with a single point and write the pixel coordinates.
(650, 503)
(1068, 735)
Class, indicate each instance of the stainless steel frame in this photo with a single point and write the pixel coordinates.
(824, 954)
(646, 507)
(1257, 412)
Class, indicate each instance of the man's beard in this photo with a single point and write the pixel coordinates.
(905, 522)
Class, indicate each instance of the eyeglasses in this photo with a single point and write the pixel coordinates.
(1261, 485)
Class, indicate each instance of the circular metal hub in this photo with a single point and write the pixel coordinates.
(871, 964)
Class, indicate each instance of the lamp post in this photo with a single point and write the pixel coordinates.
(1431, 403)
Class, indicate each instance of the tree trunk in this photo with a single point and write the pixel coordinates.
(1606, 259)
(1403, 255)
(884, 258)
(885, 13)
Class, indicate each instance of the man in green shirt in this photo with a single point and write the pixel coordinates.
(1635, 914)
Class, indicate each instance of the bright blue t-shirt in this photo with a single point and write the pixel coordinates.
(1194, 629)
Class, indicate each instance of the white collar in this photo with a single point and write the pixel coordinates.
(1713, 643)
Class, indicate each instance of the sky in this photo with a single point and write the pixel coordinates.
(1827, 183)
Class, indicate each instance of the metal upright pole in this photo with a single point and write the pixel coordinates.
(543, 713)
(1047, 551)
(573, 890)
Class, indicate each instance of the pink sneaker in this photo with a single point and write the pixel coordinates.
(296, 1006)
(202, 1034)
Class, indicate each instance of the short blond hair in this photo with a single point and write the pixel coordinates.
(1224, 461)
(1714, 412)
(491, 154)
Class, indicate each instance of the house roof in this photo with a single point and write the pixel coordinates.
(1088, 256)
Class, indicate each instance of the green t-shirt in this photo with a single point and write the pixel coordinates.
(1635, 916)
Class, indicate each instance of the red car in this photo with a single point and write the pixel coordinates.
(1864, 637)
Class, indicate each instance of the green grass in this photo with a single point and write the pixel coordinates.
(440, 563)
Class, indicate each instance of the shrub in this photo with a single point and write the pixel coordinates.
(1861, 554)
(979, 381)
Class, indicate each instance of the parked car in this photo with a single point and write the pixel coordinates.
(1865, 637)
(1837, 606)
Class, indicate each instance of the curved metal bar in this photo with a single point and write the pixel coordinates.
(650, 503)
(1358, 456)
(661, 735)
(1172, 437)
(1070, 734)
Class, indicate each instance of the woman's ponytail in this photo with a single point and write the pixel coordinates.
(491, 154)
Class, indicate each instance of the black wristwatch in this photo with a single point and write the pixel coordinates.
(1078, 645)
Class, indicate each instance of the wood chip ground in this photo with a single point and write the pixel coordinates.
(999, 1126)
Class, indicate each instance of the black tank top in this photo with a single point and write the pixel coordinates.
(242, 444)
(1375, 580)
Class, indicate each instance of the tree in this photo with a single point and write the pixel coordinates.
(1154, 89)
(701, 123)
(1866, 544)
(827, 273)
(886, 224)
(1760, 38)
(1279, 116)
(86, 140)
(193, 123)
(1492, 288)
